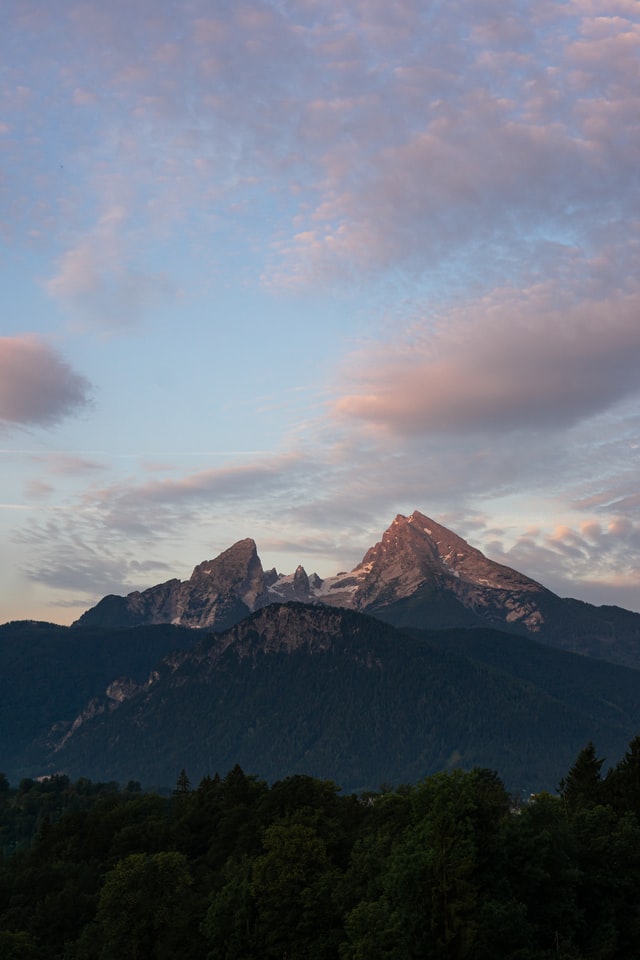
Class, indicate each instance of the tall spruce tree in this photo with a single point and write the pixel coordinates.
(582, 787)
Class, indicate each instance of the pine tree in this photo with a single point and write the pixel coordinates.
(183, 784)
(582, 787)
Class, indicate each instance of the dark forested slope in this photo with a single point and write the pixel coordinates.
(334, 693)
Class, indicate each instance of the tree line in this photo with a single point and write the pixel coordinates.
(235, 869)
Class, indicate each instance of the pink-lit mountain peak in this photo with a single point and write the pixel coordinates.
(417, 546)
(417, 561)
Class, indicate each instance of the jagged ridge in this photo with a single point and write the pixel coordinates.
(420, 574)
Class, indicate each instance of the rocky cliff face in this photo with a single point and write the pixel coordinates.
(417, 555)
(219, 593)
(420, 574)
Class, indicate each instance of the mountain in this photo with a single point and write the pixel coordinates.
(426, 655)
(337, 694)
(219, 593)
(49, 673)
(420, 575)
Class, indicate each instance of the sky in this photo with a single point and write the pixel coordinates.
(284, 269)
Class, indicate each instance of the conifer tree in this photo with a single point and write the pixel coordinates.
(582, 787)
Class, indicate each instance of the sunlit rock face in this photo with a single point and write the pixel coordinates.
(418, 556)
(420, 575)
(219, 593)
(415, 555)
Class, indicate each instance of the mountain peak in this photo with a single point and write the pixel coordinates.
(241, 553)
(420, 574)
(415, 557)
(423, 535)
(219, 593)
(237, 570)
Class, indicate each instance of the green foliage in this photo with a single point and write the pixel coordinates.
(17, 946)
(582, 787)
(291, 885)
(229, 924)
(622, 783)
(446, 869)
(432, 878)
(143, 910)
(183, 784)
(372, 932)
(542, 870)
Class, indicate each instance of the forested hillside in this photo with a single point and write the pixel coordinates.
(295, 688)
(235, 869)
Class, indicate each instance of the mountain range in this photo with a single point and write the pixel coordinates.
(427, 655)
(419, 575)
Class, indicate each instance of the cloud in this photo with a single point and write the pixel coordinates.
(483, 131)
(595, 559)
(70, 465)
(481, 162)
(61, 467)
(344, 140)
(94, 544)
(323, 505)
(78, 568)
(98, 282)
(236, 480)
(532, 359)
(157, 513)
(37, 386)
(38, 490)
(293, 503)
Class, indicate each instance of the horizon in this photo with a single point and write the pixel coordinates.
(282, 269)
(265, 566)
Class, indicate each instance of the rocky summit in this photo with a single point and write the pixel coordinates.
(420, 575)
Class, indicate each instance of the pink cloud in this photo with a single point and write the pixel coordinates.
(37, 386)
(84, 98)
(490, 139)
(411, 133)
(602, 564)
(511, 361)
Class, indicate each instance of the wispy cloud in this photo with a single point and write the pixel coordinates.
(391, 135)
(99, 283)
(602, 560)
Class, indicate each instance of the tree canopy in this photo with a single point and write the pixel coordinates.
(450, 868)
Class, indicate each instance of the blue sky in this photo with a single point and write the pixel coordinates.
(285, 269)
